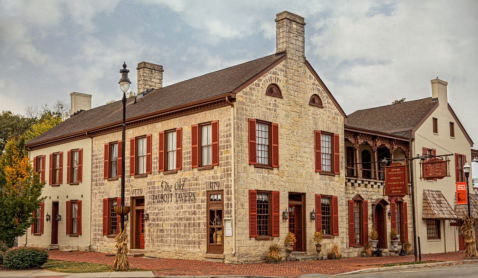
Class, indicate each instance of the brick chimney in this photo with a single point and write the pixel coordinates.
(79, 102)
(290, 30)
(149, 76)
(439, 90)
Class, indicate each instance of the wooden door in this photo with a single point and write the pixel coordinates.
(54, 223)
(215, 216)
(138, 224)
(461, 242)
(381, 228)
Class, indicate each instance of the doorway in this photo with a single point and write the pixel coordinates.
(296, 220)
(137, 223)
(215, 216)
(380, 224)
(54, 223)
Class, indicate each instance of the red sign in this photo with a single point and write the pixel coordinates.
(461, 196)
(434, 168)
(396, 180)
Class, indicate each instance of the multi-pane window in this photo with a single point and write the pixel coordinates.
(39, 165)
(113, 216)
(113, 167)
(206, 145)
(263, 143)
(56, 168)
(263, 209)
(435, 125)
(37, 221)
(357, 222)
(326, 216)
(326, 148)
(171, 150)
(74, 217)
(141, 156)
(433, 229)
(452, 129)
(74, 166)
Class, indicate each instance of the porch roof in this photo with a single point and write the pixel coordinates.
(435, 206)
(462, 210)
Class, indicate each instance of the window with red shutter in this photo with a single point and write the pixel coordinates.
(105, 216)
(161, 152)
(68, 167)
(78, 219)
(318, 213)
(50, 178)
(275, 145)
(275, 213)
(351, 224)
(80, 165)
(132, 156)
(149, 150)
(195, 146)
(179, 148)
(252, 213)
(365, 222)
(106, 161)
(336, 154)
(119, 160)
(43, 162)
(215, 143)
(318, 150)
(42, 217)
(335, 211)
(68, 217)
(252, 142)
(60, 179)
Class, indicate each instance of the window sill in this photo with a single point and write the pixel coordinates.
(202, 168)
(170, 172)
(74, 183)
(73, 235)
(36, 234)
(264, 238)
(140, 176)
(262, 166)
(113, 179)
(327, 173)
(328, 236)
(434, 239)
(55, 185)
(110, 236)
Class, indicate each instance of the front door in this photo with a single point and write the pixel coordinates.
(54, 223)
(215, 216)
(380, 224)
(296, 220)
(137, 225)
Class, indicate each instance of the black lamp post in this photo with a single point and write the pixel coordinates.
(466, 169)
(124, 85)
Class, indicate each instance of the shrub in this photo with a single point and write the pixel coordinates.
(1, 257)
(373, 234)
(336, 251)
(407, 246)
(273, 255)
(393, 234)
(367, 249)
(318, 237)
(22, 258)
(290, 239)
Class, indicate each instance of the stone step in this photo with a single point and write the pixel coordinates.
(302, 256)
(54, 247)
(135, 253)
(215, 258)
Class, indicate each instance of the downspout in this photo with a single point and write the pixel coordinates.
(233, 170)
(91, 189)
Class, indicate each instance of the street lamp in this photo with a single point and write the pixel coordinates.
(466, 169)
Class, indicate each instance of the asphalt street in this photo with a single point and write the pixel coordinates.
(462, 271)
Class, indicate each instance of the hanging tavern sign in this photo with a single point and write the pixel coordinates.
(434, 168)
(396, 180)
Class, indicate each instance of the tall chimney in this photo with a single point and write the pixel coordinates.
(290, 30)
(149, 76)
(79, 102)
(439, 90)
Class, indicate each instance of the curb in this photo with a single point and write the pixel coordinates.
(389, 268)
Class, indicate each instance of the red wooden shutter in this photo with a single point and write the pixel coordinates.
(336, 154)
(179, 148)
(351, 224)
(33, 225)
(275, 145)
(318, 151)
(50, 178)
(80, 165)
(425, 153)
(215, 143)
(457, 167)
(194, 146)
(42, 217)
(61, 169)
(393, 211)
(252, 213)
(105, 216)
(119, 163)
(318, 213)
(68, 167)
(78, 218)
(132, 156)
(365, 222)
(68, 217)
(161, 152)
(149, 150)
(252, 142)
(434, 152)
(275, 213)
(335, 210)
(35, 164)
(405, 222)
(118, 217)
(463, 161)
(43, 163)
(106, 160)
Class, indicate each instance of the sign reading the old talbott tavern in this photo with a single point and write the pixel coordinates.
(396, 181)
(434, 168)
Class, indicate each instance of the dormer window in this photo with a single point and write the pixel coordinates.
(315, 101)
(273, 91)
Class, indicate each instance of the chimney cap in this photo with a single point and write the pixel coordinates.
(291, 16)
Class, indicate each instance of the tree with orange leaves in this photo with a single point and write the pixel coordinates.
(20, 191)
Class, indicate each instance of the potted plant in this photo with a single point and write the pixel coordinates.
(273, 255)
(334, 253)
(394, 238)
(318, 240)
(289, 244)
(373, 237)
(367, 250)
(407, 246)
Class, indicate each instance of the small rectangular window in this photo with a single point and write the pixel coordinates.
(263, 136)
(37, 221)
(74, 217)
(56, 168)
(433, 229)
(452, 129)
(326, 148)
(206, 145)
(113, 167)
(263, 214)
(326, 216)
(171, 150)
(74, 166)
(435, 125)
(141, 156)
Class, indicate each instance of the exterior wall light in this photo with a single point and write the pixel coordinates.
(146, 216)
(58, 217)
(47, 218)
(312, 214)
(285, 215)
(389, 214)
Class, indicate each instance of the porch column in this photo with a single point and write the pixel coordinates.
(357, 167)
(375, 165)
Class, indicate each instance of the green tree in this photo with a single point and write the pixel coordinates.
(12, 125)
(20, 191)
(397, 101)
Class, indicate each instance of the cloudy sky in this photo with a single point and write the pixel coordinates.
(368, 53)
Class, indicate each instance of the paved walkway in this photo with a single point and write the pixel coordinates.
(170, 267)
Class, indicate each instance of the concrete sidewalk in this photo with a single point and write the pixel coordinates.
(46, 273)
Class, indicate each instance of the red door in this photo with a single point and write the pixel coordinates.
(292, 223)
(141, 229)
(295, 225)
(461, 242)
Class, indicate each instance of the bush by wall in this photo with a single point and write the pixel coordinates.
(21, 258)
